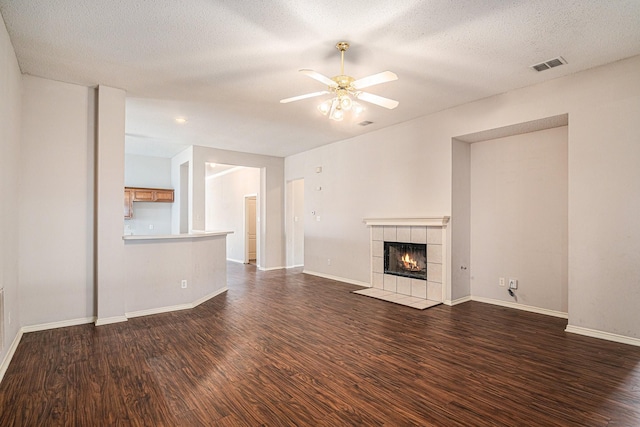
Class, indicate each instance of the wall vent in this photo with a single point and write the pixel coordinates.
(551, 63)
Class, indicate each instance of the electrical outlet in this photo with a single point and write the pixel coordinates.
(501, 282)
(328, 261)
(150, 226)
(183, 284)
(513, 283)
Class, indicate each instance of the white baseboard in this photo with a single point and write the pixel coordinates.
(529, 308)
(457, 301)
(178, 307)
(235, 260)
(12, 349)
(55, 325)
(270, 268)
(593, 333)
(295, 266)
(339, 279)
(109, 320)
(158, 310)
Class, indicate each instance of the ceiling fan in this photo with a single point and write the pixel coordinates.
(345, 87)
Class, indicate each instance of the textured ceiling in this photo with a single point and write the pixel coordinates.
(224, 65)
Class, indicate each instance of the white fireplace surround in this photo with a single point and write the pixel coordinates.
(426, 230)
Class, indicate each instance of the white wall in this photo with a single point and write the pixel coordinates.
(56, 202)
(388, 173)
(604, 202)
(225, 206)
(148, 172)
(154, 270)
(367, 176)
(297, 223)
(460, 225)
(519, 218)
(109, 252)
(10, 118)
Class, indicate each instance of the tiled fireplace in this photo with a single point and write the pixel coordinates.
(407, 276)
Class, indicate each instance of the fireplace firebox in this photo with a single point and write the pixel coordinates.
(405, 259)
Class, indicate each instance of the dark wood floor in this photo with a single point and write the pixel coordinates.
(283, 348)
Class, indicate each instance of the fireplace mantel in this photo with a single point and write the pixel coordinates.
(431, 221)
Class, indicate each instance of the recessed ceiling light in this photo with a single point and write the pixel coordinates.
(181, 120)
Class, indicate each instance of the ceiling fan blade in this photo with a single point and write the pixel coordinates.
(319, 77)
(305, 96)
(377, 100)
(385, 76)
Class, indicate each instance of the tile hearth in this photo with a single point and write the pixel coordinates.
(409, 301)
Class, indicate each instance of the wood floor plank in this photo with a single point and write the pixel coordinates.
(282, 348)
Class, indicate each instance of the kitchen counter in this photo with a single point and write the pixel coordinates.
(193, 235)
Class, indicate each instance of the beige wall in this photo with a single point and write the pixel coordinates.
(10, 117)
(56, 202)
(519, 218)
(367, 176)
(460, 229)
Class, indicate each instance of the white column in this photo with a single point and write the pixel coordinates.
(109, 254)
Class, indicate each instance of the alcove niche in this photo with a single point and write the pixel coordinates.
(509, 215)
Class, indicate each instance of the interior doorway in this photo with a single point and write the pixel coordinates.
(295, 223)
(251, 230)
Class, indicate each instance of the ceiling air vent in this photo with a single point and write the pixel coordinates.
(549, 64)
(365, 123)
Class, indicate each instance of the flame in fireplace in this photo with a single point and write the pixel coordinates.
(409, 263)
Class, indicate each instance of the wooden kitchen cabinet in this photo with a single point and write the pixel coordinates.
(133, 194)
(151, 194)
(128, 204)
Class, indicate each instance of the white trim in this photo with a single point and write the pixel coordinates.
(55, 325)
(457, 301)
(294, 266)
(12, 349)
(339, 279)
(271, 268)
(178, 307)
(523, 307)
(430, 221)
(110, 320)
(235, 260)
(158, 310)
(593, 333)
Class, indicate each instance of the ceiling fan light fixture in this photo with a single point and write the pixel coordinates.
(345, 102)
(325, 107)
(346, 90)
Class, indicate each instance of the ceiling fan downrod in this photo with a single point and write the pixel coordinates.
(342, 46)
